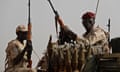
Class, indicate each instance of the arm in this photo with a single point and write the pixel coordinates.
(65, 34)
(59, 20)
(18, 58)
(11, 51)
(20, 55)
(14, 54)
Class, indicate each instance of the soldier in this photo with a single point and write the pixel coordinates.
(97, 39)
(95, 35)
(16, 52)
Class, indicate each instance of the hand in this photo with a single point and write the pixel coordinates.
(56, 14)
(29, 48)
(57, 17)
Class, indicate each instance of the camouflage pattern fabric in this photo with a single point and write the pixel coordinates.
(98, 40)
(13, 49)
(79, 56)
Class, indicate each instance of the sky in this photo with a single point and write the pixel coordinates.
(15, 12)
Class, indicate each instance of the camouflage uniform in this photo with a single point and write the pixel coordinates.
(14, 48)
(98, 40)
(78, 56)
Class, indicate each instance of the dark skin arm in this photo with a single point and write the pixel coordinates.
(65, 34)
(61, 23)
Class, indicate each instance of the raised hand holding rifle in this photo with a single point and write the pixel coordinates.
(29, 47)
(57, 18)
(65, 34)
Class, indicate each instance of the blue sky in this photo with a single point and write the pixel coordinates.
(14, 12)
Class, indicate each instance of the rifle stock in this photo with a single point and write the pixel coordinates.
(29, 32)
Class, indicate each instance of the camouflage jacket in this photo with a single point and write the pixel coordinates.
(14, 48)
(98, 40)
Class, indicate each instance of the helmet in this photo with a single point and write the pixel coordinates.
(21, 28)
(88, 15)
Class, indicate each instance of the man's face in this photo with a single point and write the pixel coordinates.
(88, 23)
(23, 35)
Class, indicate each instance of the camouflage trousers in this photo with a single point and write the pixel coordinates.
(91, 65)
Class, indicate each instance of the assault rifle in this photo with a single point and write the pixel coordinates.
(65, 35)
(56, 15)
(29, 35)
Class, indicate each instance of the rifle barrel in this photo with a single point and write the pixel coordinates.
(52, 6)
(29, 12)
(109, 29)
